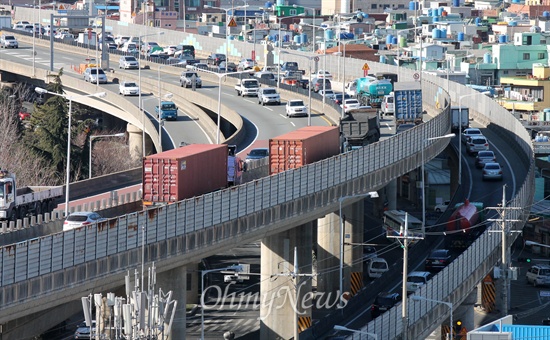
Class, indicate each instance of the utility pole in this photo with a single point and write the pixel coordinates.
(505, 261)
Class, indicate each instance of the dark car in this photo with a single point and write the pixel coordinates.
(383, 302)
(438, 260)
(317, 84)
(215, 59)
(231, 67)
(258, 153)
(338, 97)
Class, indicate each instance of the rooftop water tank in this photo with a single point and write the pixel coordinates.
(402, 41)
(478, 21)
(456, 3)
(546, 14)
(413, 6)
(394, 40)
(443, 33)
(435, 19)
(268, 4)
(460, 36)
(430, 12)
(436, 33)
(502, 39)
(513, 23)
(440, 11)
(286, 38)
(329, 34)
(487, 58)
(389, 38)
(297, 39)
(303, 38)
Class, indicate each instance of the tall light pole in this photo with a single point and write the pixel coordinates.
(279, 19)
(450, 135)
(448, 304)
(460, 134)
(345, 329)
(139, 85)
(70, 99)
(226, 10)
(220, 77)
(90, 152)
(236, 268)
(372, 194)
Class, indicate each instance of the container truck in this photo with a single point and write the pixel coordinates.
(185, 172)
(360, 127)
(234, 166)
(464, 225)
(459, 120)
(20, 202)
(372, 93)
(303, 146)
(408, 103)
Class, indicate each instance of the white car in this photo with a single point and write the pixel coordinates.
(170, 50)
(296, 107)
(232, 278)
(329, 94)
(442, 206)
(128, 61)
(350, 104)
(128, 88)
(81, 219)
(323, 74)
(415, 280)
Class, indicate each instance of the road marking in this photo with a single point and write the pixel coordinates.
(388, 126)
(268, 108)
(248, 100)
(282, 115)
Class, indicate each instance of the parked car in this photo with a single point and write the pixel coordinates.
(245, 64)
(215, 59)
(383, 302)
(296, 107)
(442, 206)
(268, 95)
(470, 132)
(438, 260)
(416, 279)
(538, 275)
(323, 74)
(80, 219)
(484, 157)
(95, 75)
(492, 171)
(350, 104)
(128, 61)
(476, 144)
(128, 88)
(257, 153)
(187, 78)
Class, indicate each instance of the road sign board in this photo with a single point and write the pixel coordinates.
(416, 76)
(544, 293)
(316, 59)
(232, 23)
(366, 67)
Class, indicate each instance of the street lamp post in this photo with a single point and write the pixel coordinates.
(345, 329)
(449, 304)
(460, 134)
(90, 151)
(70, 99)
(372, 194)
(220, 77)
(450, 135)
(236, 268)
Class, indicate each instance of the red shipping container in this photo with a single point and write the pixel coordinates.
(303, 146)
(184, 172)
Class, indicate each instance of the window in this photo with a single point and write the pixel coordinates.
(525, 56)
(373, 6)
(541, 55)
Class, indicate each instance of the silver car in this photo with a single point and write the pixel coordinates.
(467, 133)
(186, 79)
(95, 75)
(492, 171)
(296, 107)
(81, 219)
(128, 61)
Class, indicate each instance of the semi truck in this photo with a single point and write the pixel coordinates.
(189, 171)
(408, 103)
(371, 93)
(460, 120)
(303, 146)
(464, 225)
(360, 127)
(21, 202)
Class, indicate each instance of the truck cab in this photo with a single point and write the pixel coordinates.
(234, 166)
(388, 104)
(7, 193)
(247, 87)
(168, 110)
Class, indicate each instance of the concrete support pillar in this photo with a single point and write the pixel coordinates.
(466, 313)
(176, 281)
(391, 194)
(135, 141)
(193, 283)
(277, 312)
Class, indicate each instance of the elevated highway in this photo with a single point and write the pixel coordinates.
(59, 268)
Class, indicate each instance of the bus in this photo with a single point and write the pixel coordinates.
(394, 225)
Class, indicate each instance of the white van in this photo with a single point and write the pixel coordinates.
(376, 267)
(388, 107)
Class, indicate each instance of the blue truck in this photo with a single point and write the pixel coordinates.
(168, 110)
(408, 103)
